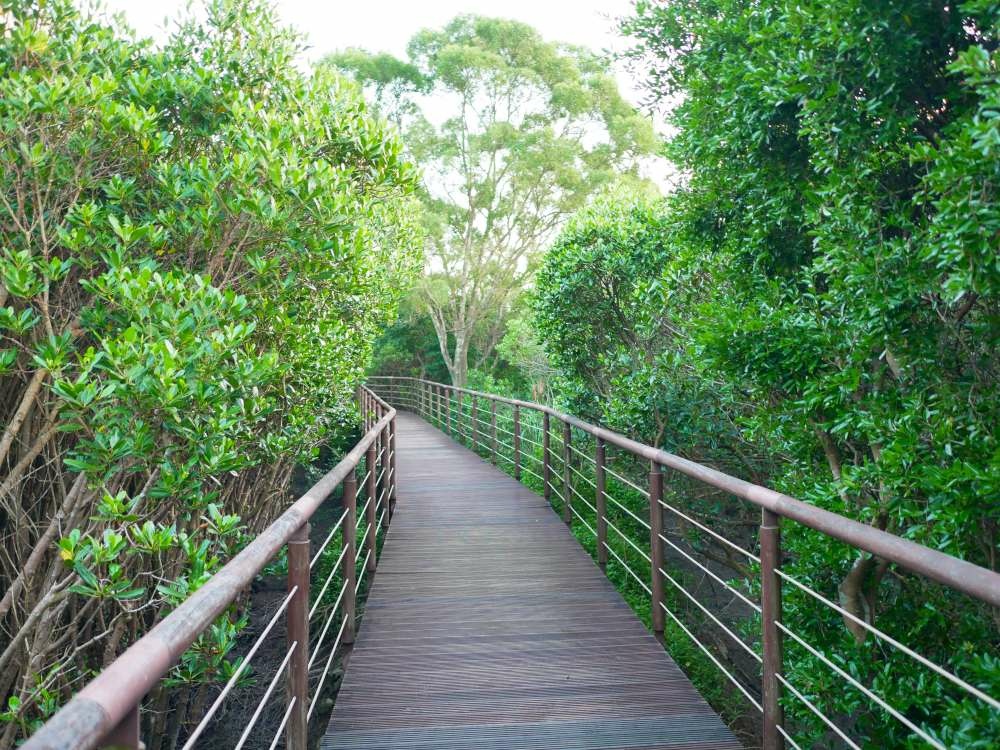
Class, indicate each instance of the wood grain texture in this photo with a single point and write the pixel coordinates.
(488, 626)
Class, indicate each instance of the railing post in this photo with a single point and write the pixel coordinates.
(546, 465)
(475, 427)
(349, 542)
(655, 543)
(770, 610)
(567, 514)
(493, 429)
(371, 490)
(392, 469)
(517, 442)
(459, 416)
(386, 474)
(447, 410)
(126, 733)
(601, 504)
(297, 731)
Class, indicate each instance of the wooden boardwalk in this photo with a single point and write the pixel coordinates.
(489, 627)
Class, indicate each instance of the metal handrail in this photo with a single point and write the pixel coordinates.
(435, 402)
(105, 712)
(971, 579)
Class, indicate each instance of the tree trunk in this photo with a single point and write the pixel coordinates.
(459, 366)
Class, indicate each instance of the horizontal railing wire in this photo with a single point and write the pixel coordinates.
(267, 694)
(244, 663)
(148, 660)
(566, 438)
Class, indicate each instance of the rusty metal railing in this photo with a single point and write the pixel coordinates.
(105, 713)
(513, 424)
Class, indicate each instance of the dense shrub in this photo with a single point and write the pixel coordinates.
(198, 245)
(818, 302)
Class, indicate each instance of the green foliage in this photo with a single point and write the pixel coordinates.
(533, 129)
(816, 308)
(523, 352)
(620, 353)
(198, 245)
(409, 347)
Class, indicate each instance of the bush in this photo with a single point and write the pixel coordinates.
(816, 308)
(199, 245)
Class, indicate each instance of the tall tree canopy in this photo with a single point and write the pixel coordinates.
(513, 134)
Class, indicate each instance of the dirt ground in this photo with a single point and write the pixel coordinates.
(265, 597)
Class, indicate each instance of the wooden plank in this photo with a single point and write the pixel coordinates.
(488, 626)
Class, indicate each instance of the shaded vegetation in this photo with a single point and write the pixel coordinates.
(816, 309)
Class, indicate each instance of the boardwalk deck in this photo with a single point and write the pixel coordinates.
(489, 627)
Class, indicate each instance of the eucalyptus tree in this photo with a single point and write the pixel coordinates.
(513, 134)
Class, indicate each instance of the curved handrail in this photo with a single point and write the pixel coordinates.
(969, 578)
(102, 705)
(436, 402)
